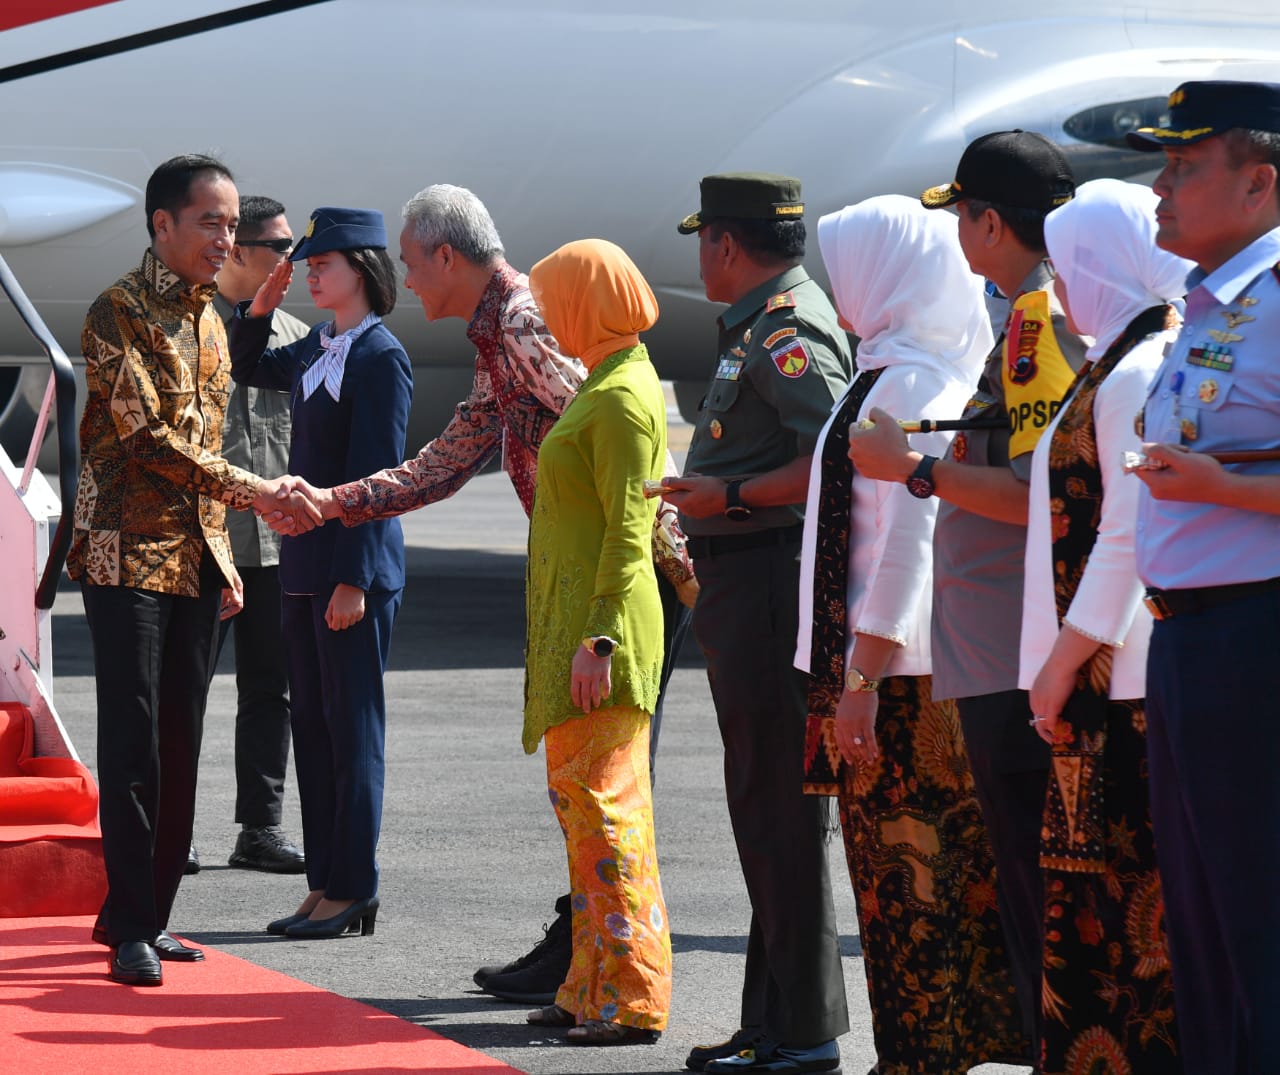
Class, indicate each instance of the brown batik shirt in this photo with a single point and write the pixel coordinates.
(152, 483)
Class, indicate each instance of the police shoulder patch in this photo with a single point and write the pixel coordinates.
(784, 300)
(791, 360)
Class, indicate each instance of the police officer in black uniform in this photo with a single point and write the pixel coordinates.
(782, 362)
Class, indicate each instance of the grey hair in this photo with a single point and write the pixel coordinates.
(444, 213)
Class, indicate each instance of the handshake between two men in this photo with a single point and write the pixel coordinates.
(290, 505)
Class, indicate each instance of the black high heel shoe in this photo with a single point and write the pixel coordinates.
(362, 912)
(281, 925)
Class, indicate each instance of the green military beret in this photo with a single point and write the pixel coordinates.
(745, 195)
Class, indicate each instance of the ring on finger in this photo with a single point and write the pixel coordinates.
(858, 740)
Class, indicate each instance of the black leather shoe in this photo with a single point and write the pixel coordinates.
(267, 848)
(747, 1037)
(134, 963)
(779, 1060)
(364, 912)
(169, 948)
(193, 860)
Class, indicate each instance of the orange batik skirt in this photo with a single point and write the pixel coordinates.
(598, 780)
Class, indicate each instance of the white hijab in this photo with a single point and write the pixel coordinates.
(901, 282)
(1103, 247)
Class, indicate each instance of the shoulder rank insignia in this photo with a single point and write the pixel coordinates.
(783, 301)
(791, 360)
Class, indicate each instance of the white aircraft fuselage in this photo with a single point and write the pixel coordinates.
(569, 118)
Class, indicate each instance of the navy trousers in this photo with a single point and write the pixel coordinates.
(339, 731)
(1213, 687)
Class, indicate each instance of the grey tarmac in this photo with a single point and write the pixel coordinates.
(471, 857)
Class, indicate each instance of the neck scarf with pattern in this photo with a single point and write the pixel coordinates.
(328, 367)
(1073, 839)
(822, 759)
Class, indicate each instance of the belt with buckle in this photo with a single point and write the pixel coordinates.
(1165, 604)
(700, 548)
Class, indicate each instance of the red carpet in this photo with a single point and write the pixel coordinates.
(59, 1014)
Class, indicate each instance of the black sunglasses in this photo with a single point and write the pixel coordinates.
(280, 246)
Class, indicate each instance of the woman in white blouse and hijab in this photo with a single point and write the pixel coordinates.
(941, 995)
(1108, 994)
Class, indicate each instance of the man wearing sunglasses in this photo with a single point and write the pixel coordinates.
(256, 437)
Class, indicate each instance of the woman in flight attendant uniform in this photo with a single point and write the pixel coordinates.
(351, 386)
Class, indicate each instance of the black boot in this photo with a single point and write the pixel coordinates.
(535, 977)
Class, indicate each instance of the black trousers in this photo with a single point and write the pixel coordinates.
(152, 653)
(675, 625)
(1213, 681)
(1010, 766)
(745, 622)
(262, 699)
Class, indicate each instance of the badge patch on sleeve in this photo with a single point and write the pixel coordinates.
(781, 334)
(791, 360)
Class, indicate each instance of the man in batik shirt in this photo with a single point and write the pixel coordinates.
(150, 547)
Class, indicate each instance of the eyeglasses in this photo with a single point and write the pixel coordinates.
(280, 246)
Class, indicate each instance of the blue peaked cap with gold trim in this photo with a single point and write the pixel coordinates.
(1199, 110)
(341, 229)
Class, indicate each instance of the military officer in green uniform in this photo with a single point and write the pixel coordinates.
(782, 362)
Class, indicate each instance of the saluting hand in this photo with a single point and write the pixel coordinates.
(272, 292)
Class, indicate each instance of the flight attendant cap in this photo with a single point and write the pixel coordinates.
(341, 229)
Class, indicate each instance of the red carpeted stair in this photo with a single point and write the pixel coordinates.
(50, 844)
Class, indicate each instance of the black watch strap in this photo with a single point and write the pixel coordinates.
(920, 483)
(734, 508)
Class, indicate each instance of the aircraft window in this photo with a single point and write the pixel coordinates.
(1106, 125)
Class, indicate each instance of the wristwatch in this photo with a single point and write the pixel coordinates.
(734, 508)
(920, 483)
(855, 681)
(600, 645)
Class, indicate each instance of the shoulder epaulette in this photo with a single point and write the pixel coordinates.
(784, 300)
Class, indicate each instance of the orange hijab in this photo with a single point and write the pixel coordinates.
(593, 299)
